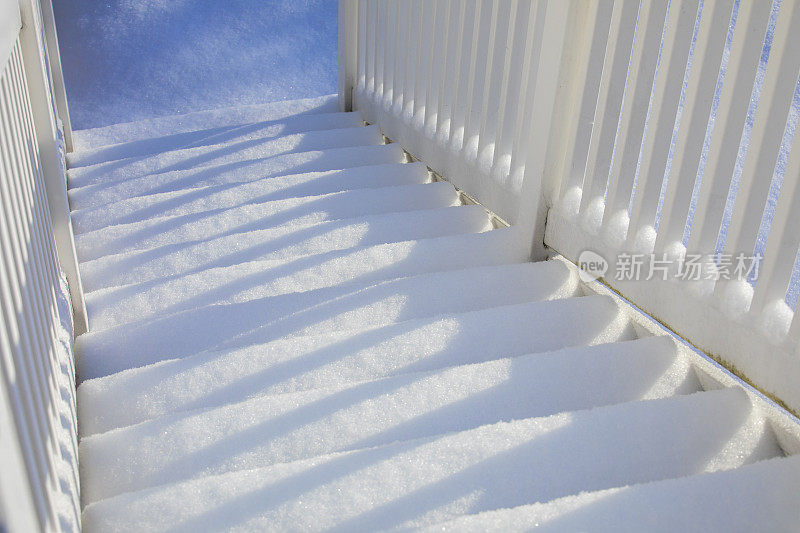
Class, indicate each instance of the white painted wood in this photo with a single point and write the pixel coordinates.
(612, 85)
(746, 44)
(649, 28)
(348, 52)
(768, 127)
(586, 86)
(703, 75)
(666, 95)
(783, 241)
(52, 165)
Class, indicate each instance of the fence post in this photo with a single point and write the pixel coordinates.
(348, 46)
(45, 126)
(554, 107)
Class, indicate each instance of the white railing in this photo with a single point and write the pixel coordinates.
(627, 130)
(38, 431)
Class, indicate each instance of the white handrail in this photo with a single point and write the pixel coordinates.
(613, 122)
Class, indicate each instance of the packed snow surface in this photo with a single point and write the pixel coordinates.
(134, 59)
(292, 328)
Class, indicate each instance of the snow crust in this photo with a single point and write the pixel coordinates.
(290, 328)
(275, 429)
(424, 481)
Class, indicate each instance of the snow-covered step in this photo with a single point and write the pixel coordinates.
(274, 188)
(235, 173)
(289, 215)
(188, 158)
(139, 209)
(338, 307)
(216, 136)
(279, 242)
(134, 219)
(201, 120)
(425, 481)
(241, 172)
(257, 364)
(278, 429)
(259, 279)
(764, 496)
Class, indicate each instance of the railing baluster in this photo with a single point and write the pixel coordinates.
(518, 72)
(451, 74)
(497, 83)
(389, 55)
(703, 75)
(765, 140)
(612, 84)
(587, 85)
(666, 95)
(650, 27)
(480, 78)
(784, 239)
(460, 104)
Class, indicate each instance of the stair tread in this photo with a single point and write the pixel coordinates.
(219, 136)
(132, 218)
(201, 120)
(338, 307)
(282, 241)
(424, 481)
(257, 363)
(258, 279)
(277, 429)
(749, 498)
(204, 156)
(266, 189)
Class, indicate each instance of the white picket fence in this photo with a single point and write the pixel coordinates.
(562, 117)
(38, 432)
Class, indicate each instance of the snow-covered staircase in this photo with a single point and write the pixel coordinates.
(292, 328)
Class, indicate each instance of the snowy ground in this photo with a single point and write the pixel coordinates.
(127, 60)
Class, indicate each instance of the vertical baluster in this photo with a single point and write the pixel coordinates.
(666, 95)
(700, 87)
(518, 72)
(492, 112)
(401, 59)
(380, 51)
(361, 44)
(650, 28)
(21, 418)
(424, 64)
(390, 56)
(734, 99)
(783, 240)
(369, 44)
(438, 60)
(452, 75)
(20, 327)
(412, 65)
(480, 77)
(28, 245)
(612, 85)
(519, 145)
(466, 65)
(587, 86)
(765, 140)
(14, 332)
